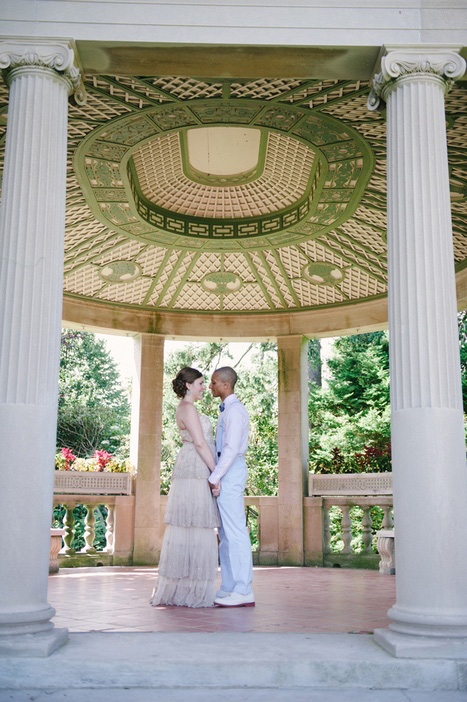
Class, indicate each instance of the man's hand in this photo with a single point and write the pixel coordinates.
(215, 489)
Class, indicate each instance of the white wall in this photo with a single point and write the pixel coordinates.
(258, 22)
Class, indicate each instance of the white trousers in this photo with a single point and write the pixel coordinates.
(235, 548)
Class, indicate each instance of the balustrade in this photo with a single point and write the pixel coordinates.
(119, 528)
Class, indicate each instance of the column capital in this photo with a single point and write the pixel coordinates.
(405, 63)
(59, 55)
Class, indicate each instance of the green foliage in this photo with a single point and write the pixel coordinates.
(93, 407)
(79, 514)
(462, 323)
(350, 419)
(356, 515)
(257, 388)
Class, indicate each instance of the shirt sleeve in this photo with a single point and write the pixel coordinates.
(234, 426)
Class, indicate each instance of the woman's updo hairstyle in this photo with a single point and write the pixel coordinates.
(184, 376)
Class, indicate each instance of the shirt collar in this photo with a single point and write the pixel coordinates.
(229, 399)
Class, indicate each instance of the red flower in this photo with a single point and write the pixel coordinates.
(102, 458)
(69, 457)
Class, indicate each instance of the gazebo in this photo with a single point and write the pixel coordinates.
(270, 173)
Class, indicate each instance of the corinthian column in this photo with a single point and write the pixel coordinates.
(41, 75)
(429, 468)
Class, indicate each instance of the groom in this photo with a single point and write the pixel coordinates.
(230, 475)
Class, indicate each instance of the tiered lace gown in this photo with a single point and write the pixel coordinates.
(188, 565)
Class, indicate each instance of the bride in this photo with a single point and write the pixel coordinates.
(188, 565)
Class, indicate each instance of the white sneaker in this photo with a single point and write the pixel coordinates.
(222, 593)
(236, 600)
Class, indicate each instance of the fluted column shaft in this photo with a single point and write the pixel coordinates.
(31, 265)
(429, 467)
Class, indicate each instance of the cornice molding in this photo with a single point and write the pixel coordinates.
(57, 55)
(401, 64)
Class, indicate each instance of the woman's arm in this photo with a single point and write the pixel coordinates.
(188, 415)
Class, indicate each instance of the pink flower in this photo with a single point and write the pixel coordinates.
(102, 458)
(69, 457)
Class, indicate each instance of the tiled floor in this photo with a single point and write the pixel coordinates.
(287, 600)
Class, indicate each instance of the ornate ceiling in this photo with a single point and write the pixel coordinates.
(234, 195)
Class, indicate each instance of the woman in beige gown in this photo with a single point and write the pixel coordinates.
(187, 571)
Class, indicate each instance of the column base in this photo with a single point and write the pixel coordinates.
(410, 646)
(38, 645)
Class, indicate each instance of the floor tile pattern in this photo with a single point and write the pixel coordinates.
(287, 600)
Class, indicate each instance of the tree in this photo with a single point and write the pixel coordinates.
(350, 419)
(93, 407)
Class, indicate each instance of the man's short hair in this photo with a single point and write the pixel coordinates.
(227, 375)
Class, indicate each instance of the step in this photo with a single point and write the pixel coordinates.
(228, 660)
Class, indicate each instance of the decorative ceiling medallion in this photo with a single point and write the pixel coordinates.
(310, 175)
(120, 271)
(321, 273)
(221, 283)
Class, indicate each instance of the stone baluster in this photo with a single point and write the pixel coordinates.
(109, 533)
(69, 523)
(367, 535)
(427, 422)
(387, 522)
(346, 529)
(90, 529)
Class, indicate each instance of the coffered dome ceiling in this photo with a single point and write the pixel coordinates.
(234, 195)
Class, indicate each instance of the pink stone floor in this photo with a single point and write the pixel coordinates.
(287, 600)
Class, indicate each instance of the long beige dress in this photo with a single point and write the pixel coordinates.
(188, 565)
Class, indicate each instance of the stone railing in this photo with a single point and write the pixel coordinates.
(119, 525)
(344, 491)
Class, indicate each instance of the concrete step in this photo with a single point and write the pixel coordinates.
(228, 660)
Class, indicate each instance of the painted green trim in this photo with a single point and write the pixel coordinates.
(267, 296)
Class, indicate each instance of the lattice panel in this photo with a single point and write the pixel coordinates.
(293, 261)
(365, 235)
(98, 108)
(316, 252)
(177, 279)
(354, 253)
(127, 293)
(188, 88)
(325, 94)
(84, 234)
(456, 100)
(91, 249)
(127, 251)
(206, 263)
(85, 281)
(284, 180)
(460, 247)
(237, 263)
(164, 276)
(151, 260)
(358, 284)
(250, 297)
(144, 86)
(354, 109)
(264, 88)
(374, 217)
(119, 92)
(194, 297)
(279, 277)
(267, 282)
(311, 295)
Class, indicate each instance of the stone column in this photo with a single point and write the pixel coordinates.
(429, 618)
(41, 75)
(293, 446)
(145, 452)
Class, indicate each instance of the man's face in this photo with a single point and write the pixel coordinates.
(216, 385)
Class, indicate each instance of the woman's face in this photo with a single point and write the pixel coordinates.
(197, 388)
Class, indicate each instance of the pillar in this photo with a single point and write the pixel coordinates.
(429, 618)
(293, 446)
(41, 75)
(145, 447)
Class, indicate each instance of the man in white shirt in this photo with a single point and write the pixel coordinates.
(230, 476)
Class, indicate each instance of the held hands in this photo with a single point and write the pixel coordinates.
(215, 489)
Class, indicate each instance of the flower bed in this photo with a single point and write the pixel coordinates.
(102, 474)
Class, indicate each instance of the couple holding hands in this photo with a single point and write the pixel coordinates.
(206, 492)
